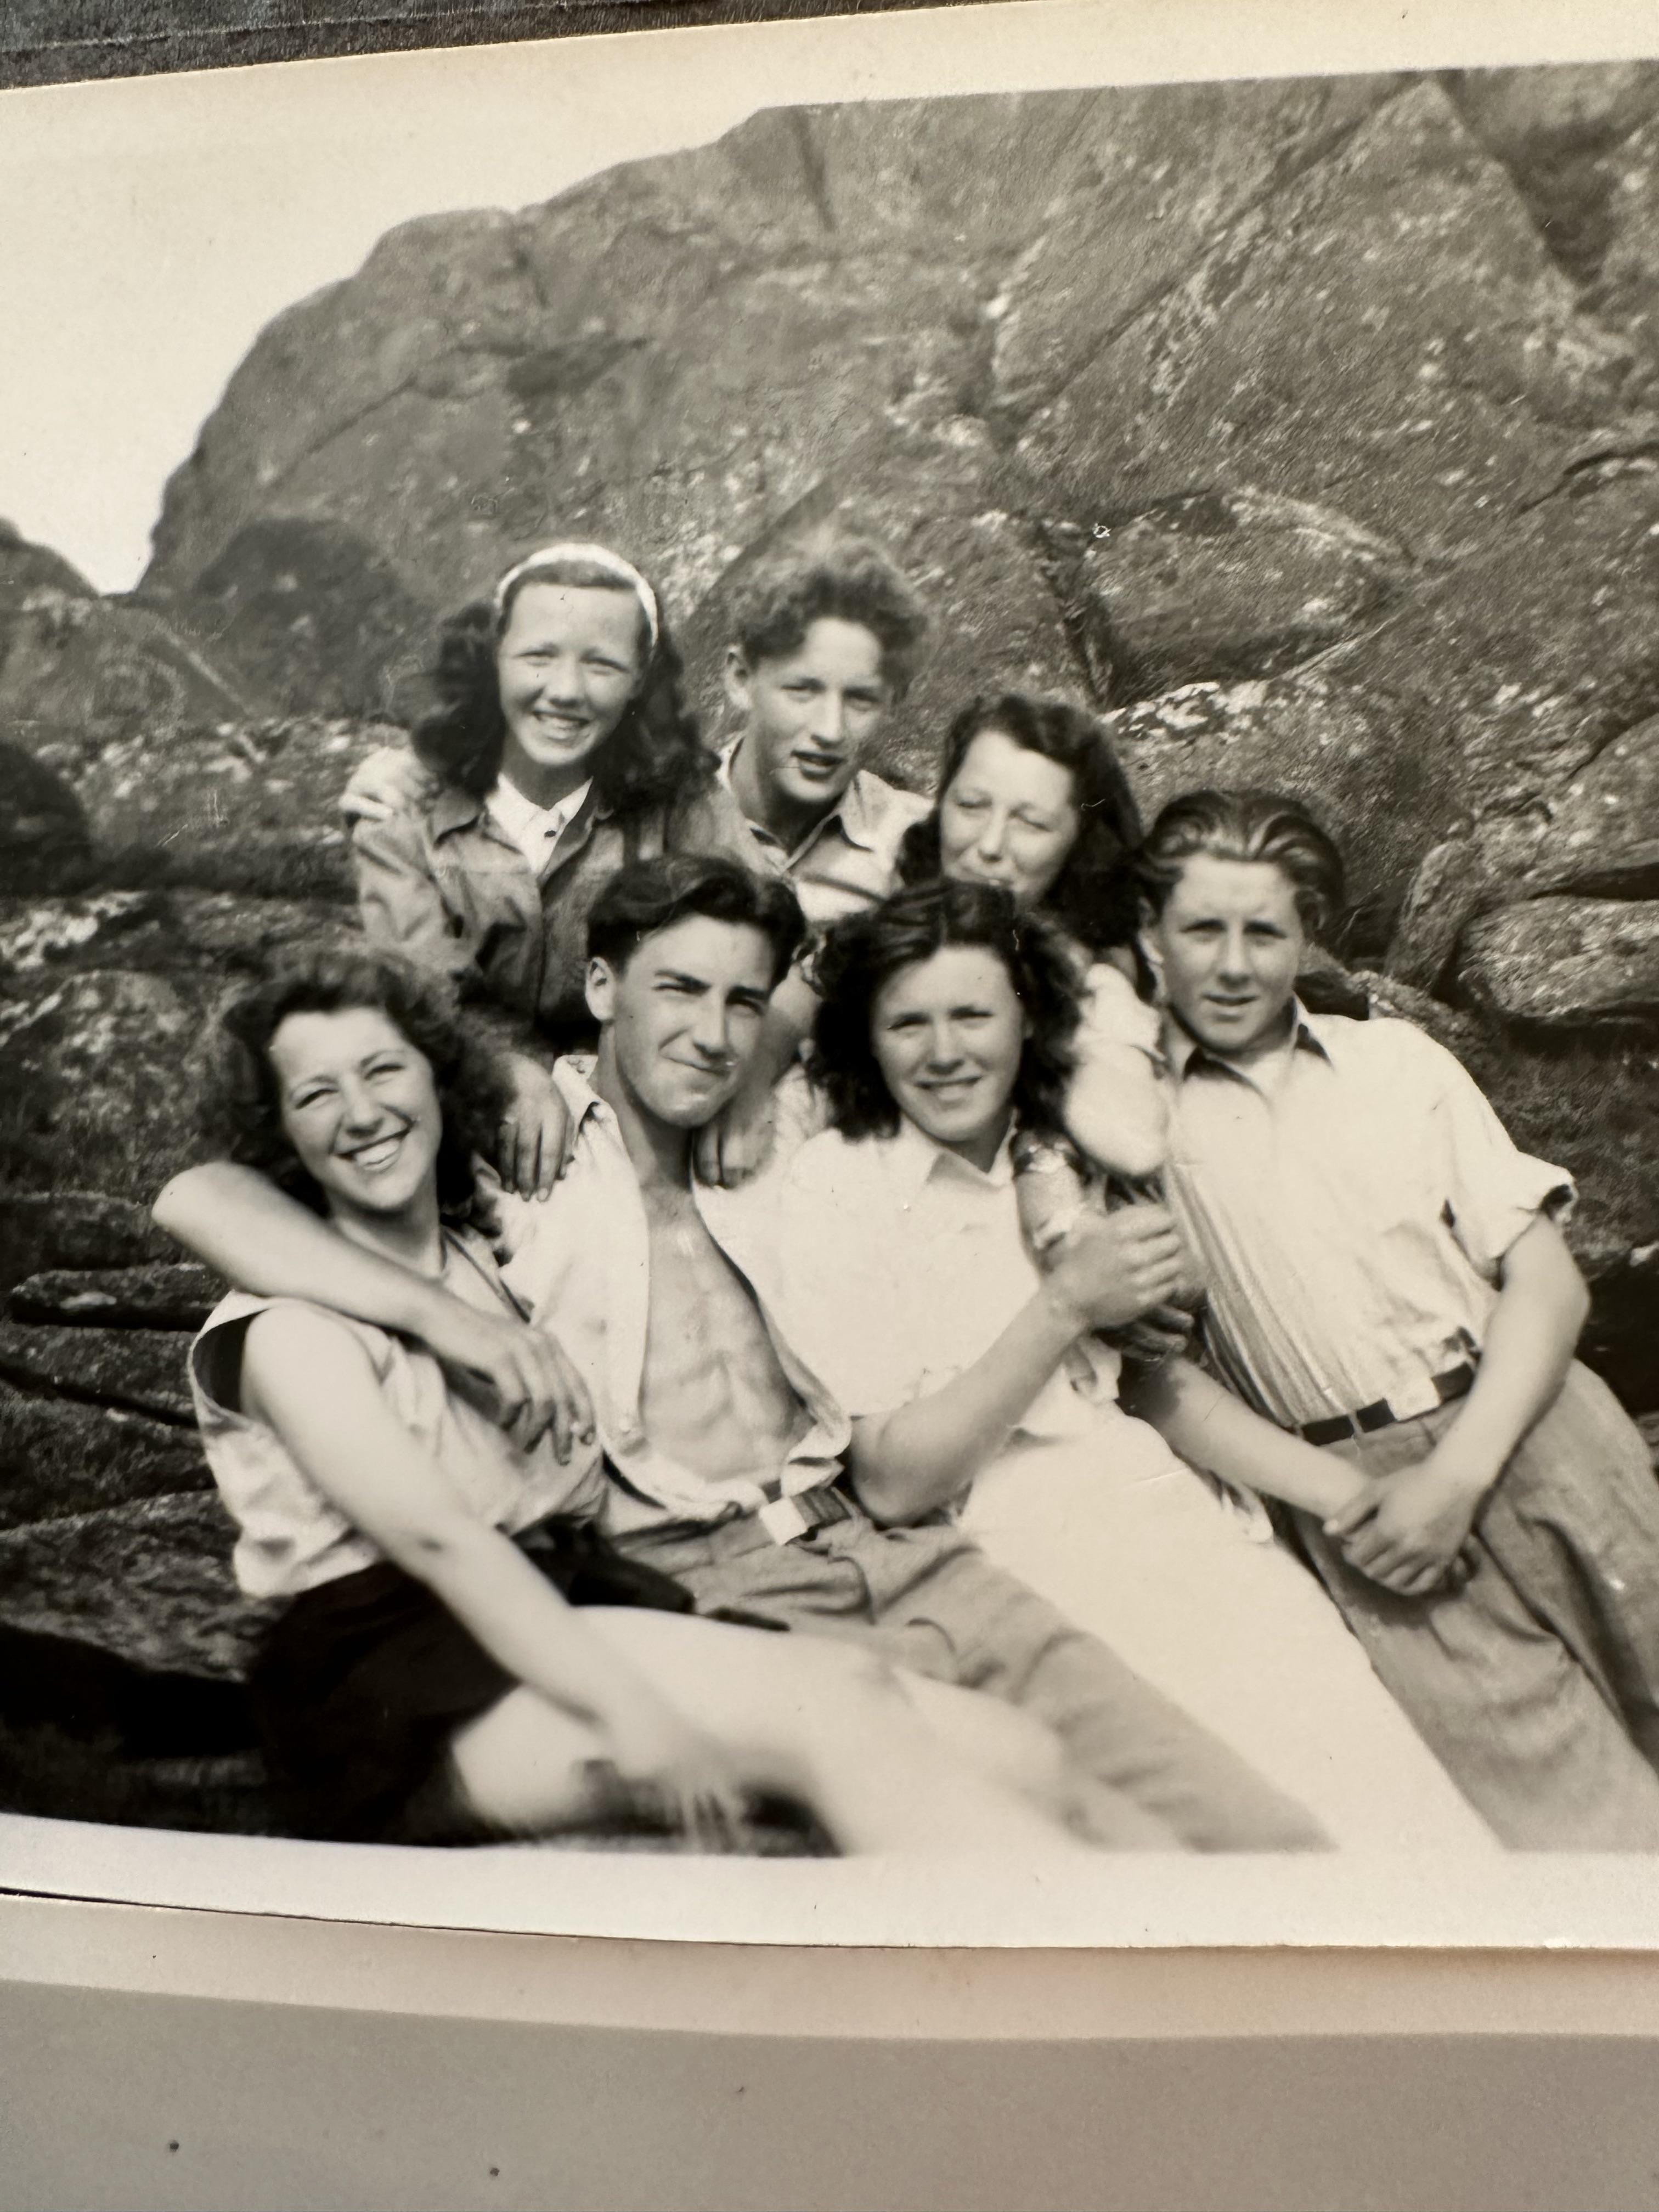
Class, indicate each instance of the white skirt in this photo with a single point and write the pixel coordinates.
(1131, 1544)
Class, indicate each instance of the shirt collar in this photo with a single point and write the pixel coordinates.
(915, 1160)
(1188, 1057)
(574, 1077)
(855, 811)
(520, 816)
(455, 809)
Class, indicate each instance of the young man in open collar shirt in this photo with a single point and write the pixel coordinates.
(1385, 1274)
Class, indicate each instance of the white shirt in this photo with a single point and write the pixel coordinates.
(534, 829)
(582, 1260)
(1350, 1197)
(848, 860)
(291, 1536)
(900, 1264)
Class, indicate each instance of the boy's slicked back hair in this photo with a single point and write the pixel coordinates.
(827, 575)
(646, 896)
(1246, 824)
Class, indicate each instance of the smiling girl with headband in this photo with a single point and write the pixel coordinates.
(560, 747)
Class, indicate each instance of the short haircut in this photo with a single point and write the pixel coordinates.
(242, 1112)
(861, 955)
(646, 896)
(845, 578)
(1247, 824)
(1094, 896)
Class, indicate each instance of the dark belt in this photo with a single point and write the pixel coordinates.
(1384, 1412)
(787, 1519)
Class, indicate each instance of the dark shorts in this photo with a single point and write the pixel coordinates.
(363, 1681)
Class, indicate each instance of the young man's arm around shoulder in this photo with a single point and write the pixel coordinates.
(242, 1226)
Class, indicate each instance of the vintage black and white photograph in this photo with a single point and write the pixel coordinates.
(829, 980)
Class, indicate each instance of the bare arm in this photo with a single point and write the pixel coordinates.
(242, 1225)
(1426, 1513)
(311, 1381)
(1117, 1109)
(1206, 1426)
(1108, 1268)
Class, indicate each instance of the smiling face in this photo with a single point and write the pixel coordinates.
(1008, 816)
(681, 1020)
(569, 662)
(809, 717)
(947, 1034)
(360, 1110)
(1227, 947)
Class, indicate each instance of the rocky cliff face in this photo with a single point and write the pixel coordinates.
(1311, 431)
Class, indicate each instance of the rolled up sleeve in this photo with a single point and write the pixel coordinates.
(1493, 1191)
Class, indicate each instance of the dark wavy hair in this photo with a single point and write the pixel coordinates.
(1094, 897)
(654, 756)
(646, 896)
(1247, 824)
(844, 579)
(241, 1110)
(861, 955)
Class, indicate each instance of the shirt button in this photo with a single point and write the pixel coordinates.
(630, 1437)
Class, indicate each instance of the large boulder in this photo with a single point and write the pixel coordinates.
(1214, 587)
(85, 671)
(1565, 963)
(1385, 333)
(45, 1231)
(309, 615)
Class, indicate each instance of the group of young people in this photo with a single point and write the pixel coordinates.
(723, 1194)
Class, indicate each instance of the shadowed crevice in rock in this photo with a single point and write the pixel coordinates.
(1553, 131)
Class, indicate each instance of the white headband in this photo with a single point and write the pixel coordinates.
(596, 556)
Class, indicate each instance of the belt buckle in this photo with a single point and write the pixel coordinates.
(783, 1521)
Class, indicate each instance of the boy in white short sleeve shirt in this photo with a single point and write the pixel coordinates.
(1386, 1275)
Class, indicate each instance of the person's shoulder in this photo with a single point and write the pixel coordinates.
(1115, 1013)
(262, 1339)
(828, 1165)
(1387, 1044)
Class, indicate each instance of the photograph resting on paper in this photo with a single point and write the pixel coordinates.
(738, 626)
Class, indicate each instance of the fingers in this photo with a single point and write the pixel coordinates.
(550, 1136)
(708, 1153)
(578, 1405)
(1352, 1515)
(512, 1162)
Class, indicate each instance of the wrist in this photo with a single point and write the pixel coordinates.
(1063, 1319)
(1466, 1471)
